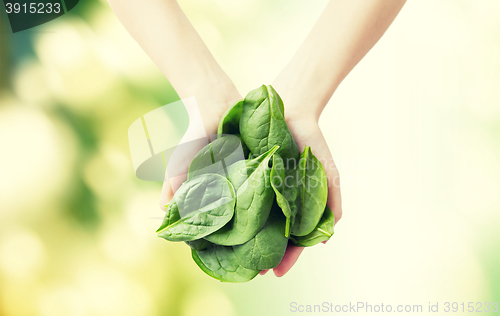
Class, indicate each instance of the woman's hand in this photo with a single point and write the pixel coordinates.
(344, 33)
(306, 131)
(204, 117)
(162, 29)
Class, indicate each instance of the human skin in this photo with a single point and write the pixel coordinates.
(163, 31)
(166, 35)
(342, 36)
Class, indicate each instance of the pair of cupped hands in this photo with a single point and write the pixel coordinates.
(303, 124)
(341, 37)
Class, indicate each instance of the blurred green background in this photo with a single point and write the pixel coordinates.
(415, 130)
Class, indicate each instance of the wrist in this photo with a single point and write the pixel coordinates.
(213, 98)
(303, 99)
(298, 105)
(306, 88)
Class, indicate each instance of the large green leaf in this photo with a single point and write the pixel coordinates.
(267, 248)
(312, 190)
(263, 124)
(322, 232)
(253, 203)
(205, 204)
(216, 156)
(221, 263)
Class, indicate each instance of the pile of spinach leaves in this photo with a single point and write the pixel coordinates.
(238, 215)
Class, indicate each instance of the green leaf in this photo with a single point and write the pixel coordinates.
(171, 215)
(291, 192)
(246, 151)
(278, 184)
(322, 232)
(216, 156)
(263, 124)
(253, 203)
(267, 248)
(205, 204)
(221, 263)
(198, 244)
(230, 122)
(312, 193)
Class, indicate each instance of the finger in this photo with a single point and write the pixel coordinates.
(263, 272)
(292, 253)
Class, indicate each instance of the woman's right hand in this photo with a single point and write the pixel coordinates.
(306, 131)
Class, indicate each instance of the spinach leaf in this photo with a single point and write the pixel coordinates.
(253, 202)
(214, 157)
(290, 192)
(230, 122)
(267, 248)
(171, 215)
(198, 244)
(312, 193)
(278, 184)
(205, 204)
(221, 263)
(246, 151)
(322, 232)
(263, 124)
